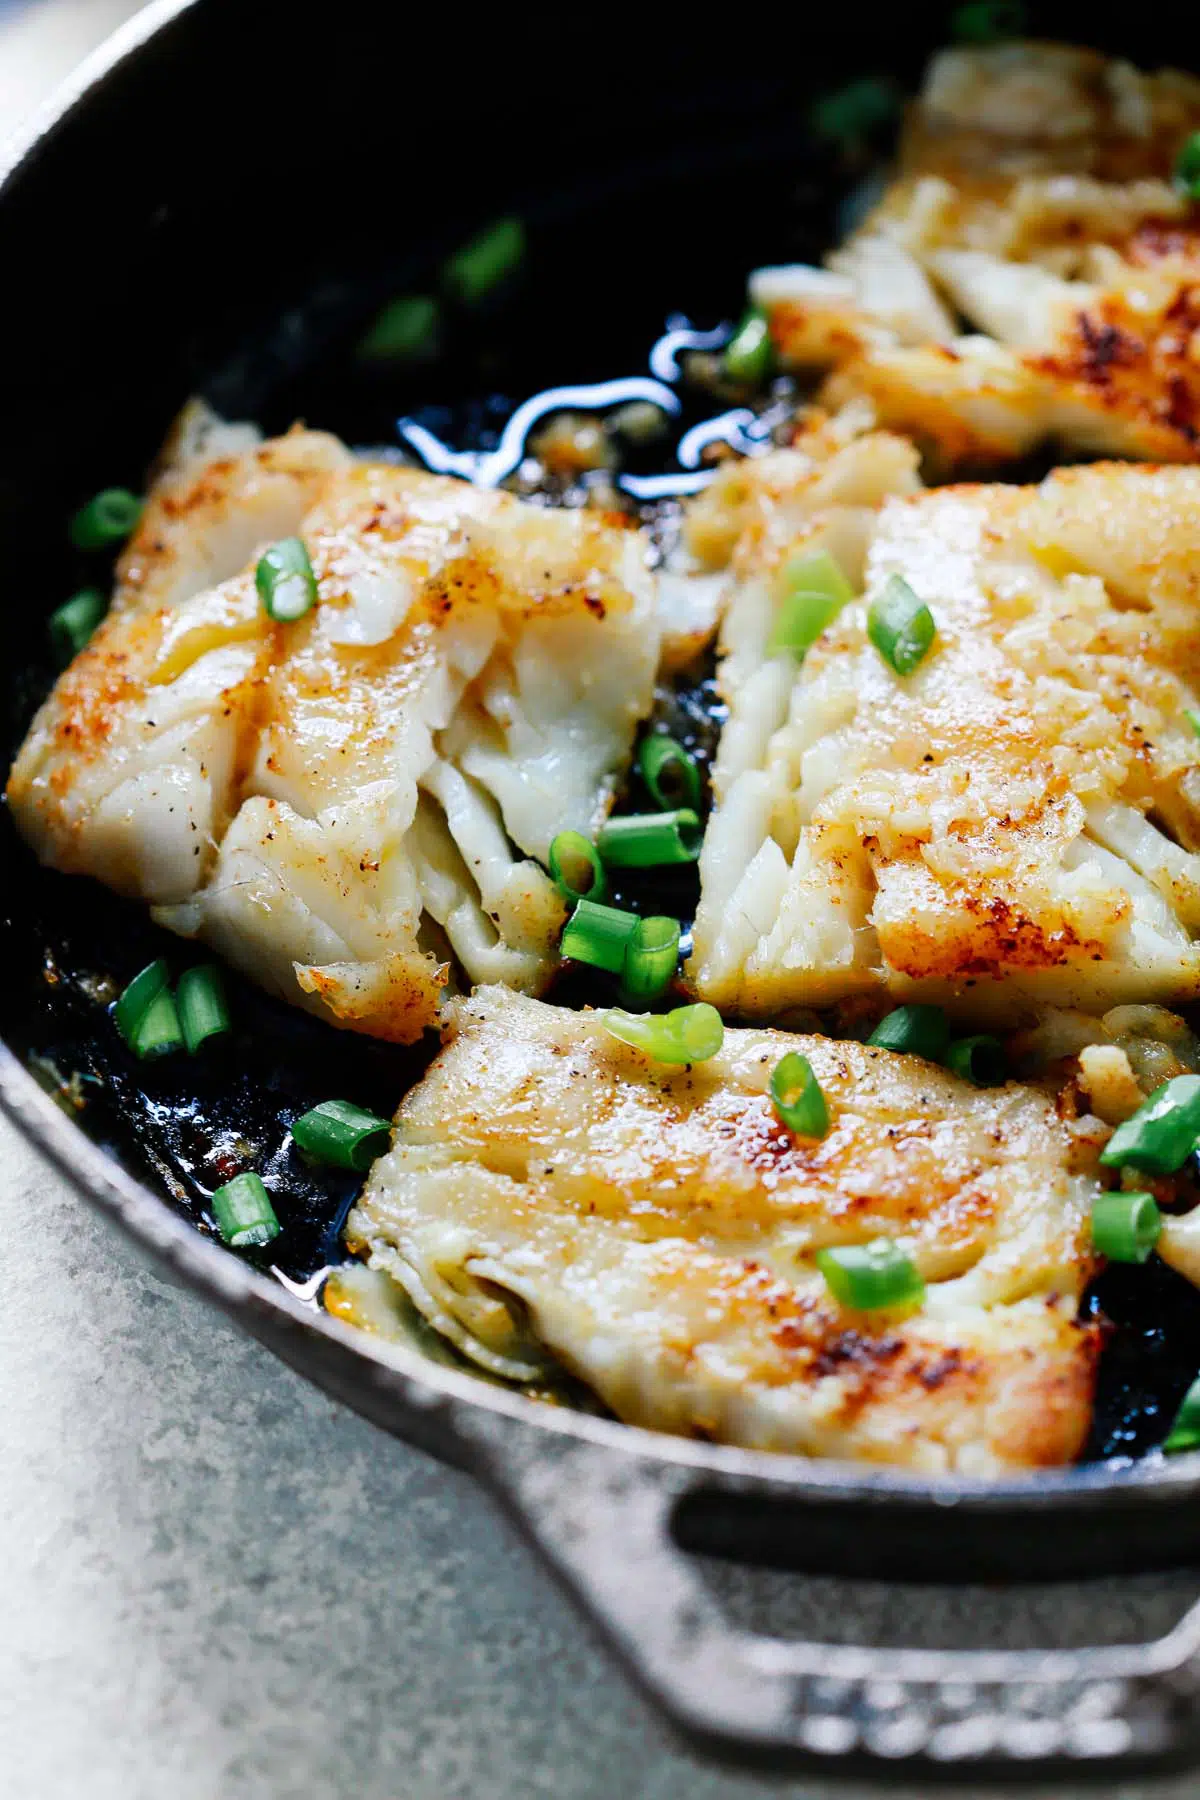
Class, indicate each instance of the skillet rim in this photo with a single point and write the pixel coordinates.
(338, 1355)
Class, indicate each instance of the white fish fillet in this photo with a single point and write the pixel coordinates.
(655, 1228)
(1034, 206)
(1013, 825)
(334, 802)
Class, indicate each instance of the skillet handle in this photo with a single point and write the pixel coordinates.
(602, 1517)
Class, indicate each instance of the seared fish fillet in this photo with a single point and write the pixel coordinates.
(1034, 203)
(655, 1228)
(336, 803)
(1013, 825)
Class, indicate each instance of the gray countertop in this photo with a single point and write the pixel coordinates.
(219, 1585)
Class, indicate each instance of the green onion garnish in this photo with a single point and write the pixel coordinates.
(285, 581)
(472, 272)
(575, 867)
(868, 1276)
(651, 958)
(158, 1031)
(243, 1211)
(1161, 1133)
(1185, 1431)
(135, 1000)
(342, 1135)
(978, 1059)
(855, 111)
(1187, 166)
(107, 519)
(1193, 719)
(1125, 1227)
(690, 1034)
(900, 625)
(988, 21)
(203, 1013)
(914, 1031)
(597, 935)
(650, 840)
(748, 354)
(403, 331)
(670, 772)
(814, 593)
(797, 1097)
(74, 622)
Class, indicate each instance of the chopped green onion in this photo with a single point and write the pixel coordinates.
(1193, 719)
(814, 593)
(978, 1059)
(1125, 1227)
(107, 519)
(135, 1000)
(1187, 166)
(690, 1034)
(670, 772)
(868, 1276)
(597, 935)
(900, 626)
(914, 1031)
(1185, 1431)
(158, 1031)
(651, 958)
(342, 1135)
(797, 1097)
(748, 354)
(855, 111)
(575, 867)
(243, 1211)
(203, 1013)
(988, 21)
(74, 622)
(472, 272)
(285, 580)
(403, 331)
(650, 840)
(1161, 1133)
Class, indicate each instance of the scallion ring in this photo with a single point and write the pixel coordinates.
(651, 958)
(405, 330)
(136, 999)
(1193, 718)
(670, 772)
(489, 259)
(814, 591)
(988, 21)
(650, 840)
(575, 867)
(158, 1031)
(73, 623)
(914, 1031)
(1161, 1133)
(1187, 166)
(900, 626)
(107, 519)
(244, 1214)
(797, 1098)
(285, 580)
(203, 1013)
(689, 1034)
(1185, 1429)
(867, 1277)
(597, 935)
(342, 1135)
(978, 1059)
(749, 356)
(853, 112)
(1125, 1227)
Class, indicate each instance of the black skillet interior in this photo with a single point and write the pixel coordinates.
(224, 215)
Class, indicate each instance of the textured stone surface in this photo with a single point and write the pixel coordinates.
(218, 1585)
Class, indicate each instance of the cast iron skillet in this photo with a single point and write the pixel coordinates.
(217, 169)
